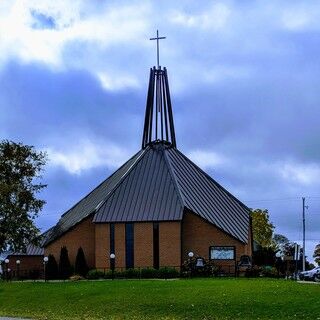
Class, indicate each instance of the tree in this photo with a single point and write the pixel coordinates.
(65, 269)
(262, 228)
(52, 268)
(81, 266)
(20, 173)
(316, 254)
(279, 242)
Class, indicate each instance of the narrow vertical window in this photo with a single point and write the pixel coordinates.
(156, 245)
(112, 238)
(129, 246)
(111, 243)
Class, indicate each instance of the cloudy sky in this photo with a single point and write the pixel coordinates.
(244, 78)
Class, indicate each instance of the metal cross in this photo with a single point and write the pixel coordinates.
(158, 38)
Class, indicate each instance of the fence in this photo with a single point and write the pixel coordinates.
(221, 270)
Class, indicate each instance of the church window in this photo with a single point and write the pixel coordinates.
(156, 245)
(129, 246)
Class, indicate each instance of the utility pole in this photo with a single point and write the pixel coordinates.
(304, 233)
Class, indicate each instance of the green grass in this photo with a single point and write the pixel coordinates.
(160, 299)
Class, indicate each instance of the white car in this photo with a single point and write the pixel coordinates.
(313, 274)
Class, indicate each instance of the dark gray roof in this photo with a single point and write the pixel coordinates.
(148, 193)
(205, 197)
(158, 184)
(165, 182)
(89, 203)
(31, 250)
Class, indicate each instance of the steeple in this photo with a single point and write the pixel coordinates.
(158, 123)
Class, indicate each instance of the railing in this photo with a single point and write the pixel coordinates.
(146, 272)
(24, 274)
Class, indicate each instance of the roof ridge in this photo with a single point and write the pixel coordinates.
(143, 152)
(215, 182)
(173, 176)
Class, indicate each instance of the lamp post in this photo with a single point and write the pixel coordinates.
(112, 263)
(190, 266)
(45, 261)
(18, 268)
(6, 261)
(278, 262)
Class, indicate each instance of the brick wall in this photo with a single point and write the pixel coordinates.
(170, 243)
(102, 255)
(169, 248)
(27, 263)
(143, 244)
(199, 235)
(82, 235)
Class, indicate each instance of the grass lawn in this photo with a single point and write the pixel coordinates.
(157, 299)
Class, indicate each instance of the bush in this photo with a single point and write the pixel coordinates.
(269, 271)
(149, 273)
(168, 273)
(65, 269)
(52, 270)
(95, 274)
(131, 274)
(81, 266)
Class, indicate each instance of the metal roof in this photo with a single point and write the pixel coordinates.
(158, 184)
(205, 197)
(148, 193)
(31, 250)
(89, 203)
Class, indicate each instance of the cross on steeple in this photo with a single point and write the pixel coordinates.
(157, 38)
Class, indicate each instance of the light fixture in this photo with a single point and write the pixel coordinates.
(18, 262)
(190, 254)
(112, 256)
(45, 259)
(6, 261)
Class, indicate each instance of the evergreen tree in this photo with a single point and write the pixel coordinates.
(81, 266)
(52, 270)
(65, 269)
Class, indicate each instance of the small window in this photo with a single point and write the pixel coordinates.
(222, 253)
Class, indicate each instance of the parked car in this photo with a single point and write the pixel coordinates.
(312, 274)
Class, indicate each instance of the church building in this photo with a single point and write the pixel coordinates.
(157, 207)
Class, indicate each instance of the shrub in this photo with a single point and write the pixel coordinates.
(168, 273)
(95, 274)
(131, 273)
(52, 270)
(148, 273)
(269, 271)
(81, 266)
(65, 269)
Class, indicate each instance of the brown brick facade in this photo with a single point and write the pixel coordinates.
(199, 235)
(27, 263)
(102, 255)
(170, 243)
(143, 244)
(82, 235)
(175, 238)
(169, 249)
